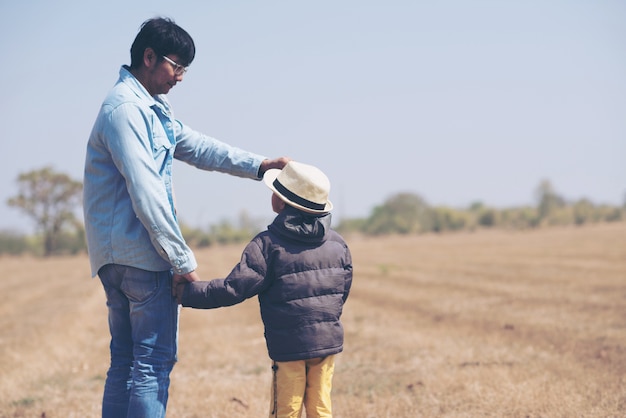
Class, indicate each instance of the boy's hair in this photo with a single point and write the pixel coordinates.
(164, 37)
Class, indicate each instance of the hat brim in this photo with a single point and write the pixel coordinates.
(271, 175)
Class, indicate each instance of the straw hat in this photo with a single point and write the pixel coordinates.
(300, 185)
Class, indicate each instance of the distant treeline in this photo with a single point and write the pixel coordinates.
(407, 213)
(403, 213)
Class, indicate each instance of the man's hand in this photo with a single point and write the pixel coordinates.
(279, 163)
(179, 290)
(179, 281)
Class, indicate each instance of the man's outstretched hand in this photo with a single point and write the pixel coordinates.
(279, 163)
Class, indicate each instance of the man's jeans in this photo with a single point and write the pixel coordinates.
(143, 320)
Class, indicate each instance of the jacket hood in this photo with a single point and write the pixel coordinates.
(295, 224)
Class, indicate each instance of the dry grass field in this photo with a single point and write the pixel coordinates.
(484, 324)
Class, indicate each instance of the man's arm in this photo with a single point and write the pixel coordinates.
(207, 153)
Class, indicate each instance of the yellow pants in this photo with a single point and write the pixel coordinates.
(302, 383)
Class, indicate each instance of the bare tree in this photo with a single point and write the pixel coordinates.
(50, 198)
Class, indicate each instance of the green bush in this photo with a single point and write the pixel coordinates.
(12, 243)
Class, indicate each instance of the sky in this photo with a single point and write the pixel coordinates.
(455, 101)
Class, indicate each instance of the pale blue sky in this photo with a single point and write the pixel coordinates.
(457, 101)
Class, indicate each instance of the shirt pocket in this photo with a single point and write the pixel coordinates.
(161, 144)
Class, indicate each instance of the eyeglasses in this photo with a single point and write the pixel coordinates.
(178, 69)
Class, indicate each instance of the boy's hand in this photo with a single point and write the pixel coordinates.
(178, 283)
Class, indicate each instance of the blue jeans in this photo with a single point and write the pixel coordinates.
(143, 321)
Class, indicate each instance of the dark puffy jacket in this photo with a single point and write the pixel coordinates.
(301, 271)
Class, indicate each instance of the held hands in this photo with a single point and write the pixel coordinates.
(179, 281)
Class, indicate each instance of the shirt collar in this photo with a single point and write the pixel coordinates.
(131, 81)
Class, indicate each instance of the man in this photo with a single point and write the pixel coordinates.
(134, 241)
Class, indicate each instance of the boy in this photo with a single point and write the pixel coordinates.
(301, 271)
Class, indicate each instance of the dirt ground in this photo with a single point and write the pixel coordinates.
(482, 324)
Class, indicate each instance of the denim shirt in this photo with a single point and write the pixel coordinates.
(128, 203)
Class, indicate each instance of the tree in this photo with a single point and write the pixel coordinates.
(50, 199)
(548, 201)
(403, 213)
(583, 211)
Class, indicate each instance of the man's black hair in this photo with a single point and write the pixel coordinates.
(164, 37)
